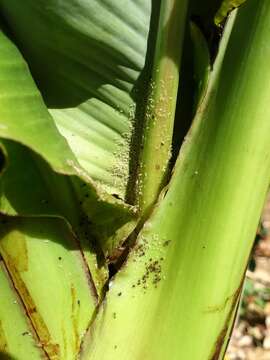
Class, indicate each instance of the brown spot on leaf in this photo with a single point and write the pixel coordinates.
(3, 340)
(43, 334)
(17, 253)
(220, 340)
(32, 310)
(75, 318)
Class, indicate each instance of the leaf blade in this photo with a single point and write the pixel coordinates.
(49, 273)
(16, 333)
(92, 57)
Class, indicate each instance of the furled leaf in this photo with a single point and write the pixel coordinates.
(183, 279)
(155, 156)
(201, 59)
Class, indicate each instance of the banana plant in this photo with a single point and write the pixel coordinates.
(135, 161)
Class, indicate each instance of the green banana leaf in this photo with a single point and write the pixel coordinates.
(17, 336)
(99, 115)
(50, 275)
(54, 176)
(85, 146)
(30, 124)
(88, 60)
(182, 281)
